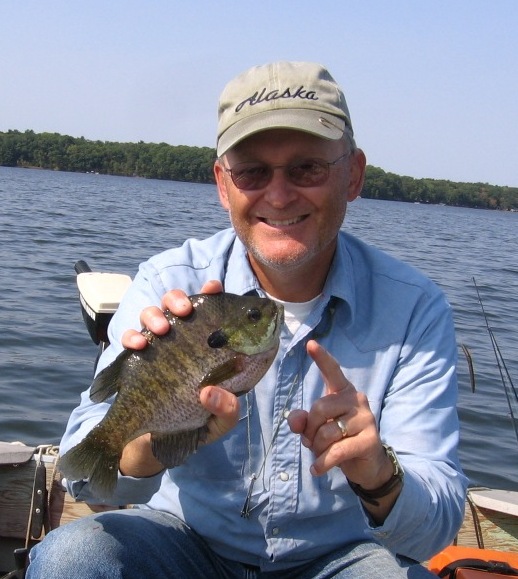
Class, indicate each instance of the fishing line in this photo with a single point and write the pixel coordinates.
(505, 376)
(247, 508)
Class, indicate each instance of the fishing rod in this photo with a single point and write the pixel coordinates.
(505, 376)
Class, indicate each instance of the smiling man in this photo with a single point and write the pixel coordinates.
(343, 460)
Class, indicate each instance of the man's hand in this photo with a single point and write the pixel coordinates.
(137, 459)
(357, 451)
(152, 318)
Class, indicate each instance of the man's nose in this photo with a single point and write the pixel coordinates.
(280, 190)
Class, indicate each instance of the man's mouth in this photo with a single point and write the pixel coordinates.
(283, 222)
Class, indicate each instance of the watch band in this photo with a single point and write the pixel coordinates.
(370, 496)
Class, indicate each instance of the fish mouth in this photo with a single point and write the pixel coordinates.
(279, 318)
(283, 222)
(276, 325)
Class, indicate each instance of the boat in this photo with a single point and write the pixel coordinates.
(33, 501)
(33, 498)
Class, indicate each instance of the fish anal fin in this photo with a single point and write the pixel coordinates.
(223, 372)
(172, 449)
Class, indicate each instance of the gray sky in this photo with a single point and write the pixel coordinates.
(432, 85)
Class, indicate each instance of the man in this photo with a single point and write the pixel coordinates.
(343, 461)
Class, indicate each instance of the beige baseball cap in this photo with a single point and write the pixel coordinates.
(293, 95)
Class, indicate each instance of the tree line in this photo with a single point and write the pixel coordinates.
(194, 164)
(79, 155)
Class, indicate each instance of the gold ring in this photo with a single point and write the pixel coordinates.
(342, 426)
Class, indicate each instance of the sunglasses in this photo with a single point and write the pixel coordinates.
(254, 175)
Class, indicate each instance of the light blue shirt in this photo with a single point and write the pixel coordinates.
(391, 330)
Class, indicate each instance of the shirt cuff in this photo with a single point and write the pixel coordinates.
(412, 499)
(129, 490)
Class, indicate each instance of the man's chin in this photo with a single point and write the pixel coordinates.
(281, 261)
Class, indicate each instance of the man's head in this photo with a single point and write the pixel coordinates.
(290, 95)
(287, 166)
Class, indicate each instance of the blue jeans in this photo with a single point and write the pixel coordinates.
(151, 544)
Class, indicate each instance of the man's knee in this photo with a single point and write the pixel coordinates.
(74, 549)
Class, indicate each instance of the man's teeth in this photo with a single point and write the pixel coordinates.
(281, 222)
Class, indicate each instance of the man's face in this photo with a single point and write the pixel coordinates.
(285, 226)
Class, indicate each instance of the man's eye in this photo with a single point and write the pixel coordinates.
(257, 171)
(305, 166)
(309, 166)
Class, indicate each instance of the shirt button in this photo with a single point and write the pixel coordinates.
(286, 413)
(275, 531)
(284, 476)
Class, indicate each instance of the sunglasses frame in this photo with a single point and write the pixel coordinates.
(271, 168)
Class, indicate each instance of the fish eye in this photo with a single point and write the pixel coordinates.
(217, 339)
(253, 314)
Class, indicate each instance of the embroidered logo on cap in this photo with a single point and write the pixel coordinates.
(263, 96)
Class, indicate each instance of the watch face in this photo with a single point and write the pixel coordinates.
(398, 469)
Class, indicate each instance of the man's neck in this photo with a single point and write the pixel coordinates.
(300, 284)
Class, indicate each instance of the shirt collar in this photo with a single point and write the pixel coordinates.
(239, 277)
(340, 281)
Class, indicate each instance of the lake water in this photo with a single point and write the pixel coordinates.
(49, 220)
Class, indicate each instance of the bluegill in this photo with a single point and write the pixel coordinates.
(227, 340)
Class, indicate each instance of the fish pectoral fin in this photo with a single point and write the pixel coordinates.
(223, 372)
(172, 449)
(107, 382)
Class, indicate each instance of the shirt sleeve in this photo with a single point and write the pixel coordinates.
(419, 420)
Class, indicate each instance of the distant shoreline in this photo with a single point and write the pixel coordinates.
(195, 164)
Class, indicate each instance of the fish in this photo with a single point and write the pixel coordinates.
(227, 340)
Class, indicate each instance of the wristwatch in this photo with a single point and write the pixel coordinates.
(370, 496)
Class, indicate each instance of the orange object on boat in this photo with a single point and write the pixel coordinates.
(472, 563)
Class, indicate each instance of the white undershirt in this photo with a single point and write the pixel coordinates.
(295, 313)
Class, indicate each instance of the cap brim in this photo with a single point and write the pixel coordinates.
(317, 123)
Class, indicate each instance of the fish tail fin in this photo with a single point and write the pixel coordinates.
(88, 460)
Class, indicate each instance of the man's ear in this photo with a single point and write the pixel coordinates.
(219, 174)
(356, 175)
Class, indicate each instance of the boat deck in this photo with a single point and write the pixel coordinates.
(491, 520)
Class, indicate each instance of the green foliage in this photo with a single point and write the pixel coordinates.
(64, 153)
(194, 164)
(382, 185)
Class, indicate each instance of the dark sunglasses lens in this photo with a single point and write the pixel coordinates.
(309, 173)
(248, 177)
(305, 173)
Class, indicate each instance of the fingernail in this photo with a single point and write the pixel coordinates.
(214, 399)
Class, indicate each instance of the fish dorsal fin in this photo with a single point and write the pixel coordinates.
(107, 382)
(172, 449)
(223, 372)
